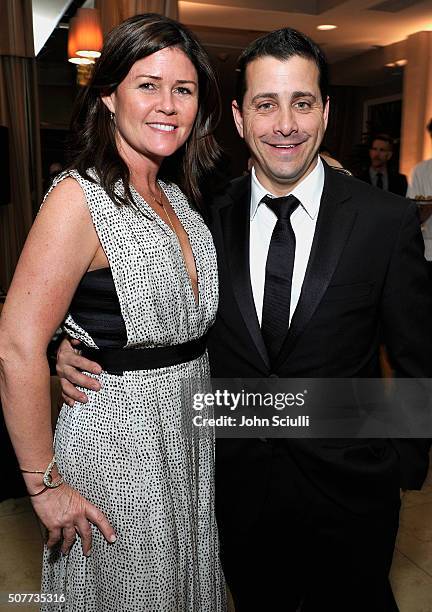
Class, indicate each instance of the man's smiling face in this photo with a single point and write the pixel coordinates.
(282, 119)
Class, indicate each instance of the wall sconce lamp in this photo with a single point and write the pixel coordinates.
(85, 42)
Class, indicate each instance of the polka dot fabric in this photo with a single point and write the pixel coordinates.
(132, 450)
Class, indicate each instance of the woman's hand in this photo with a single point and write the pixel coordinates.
(65, 512)
(69, 366)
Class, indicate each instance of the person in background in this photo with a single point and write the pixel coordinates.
(380, 174)
(420, 188)
(124, 255)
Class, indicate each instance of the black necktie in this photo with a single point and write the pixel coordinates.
(278, 278)
(379, 180)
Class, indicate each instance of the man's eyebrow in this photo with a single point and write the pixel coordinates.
(304, 94)
(274, 96)
(258, 96)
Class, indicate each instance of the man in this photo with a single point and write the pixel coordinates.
(379, 173)
(309, 524)
(421, 188)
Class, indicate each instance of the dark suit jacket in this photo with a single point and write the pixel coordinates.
(366, 279)
(397, 183)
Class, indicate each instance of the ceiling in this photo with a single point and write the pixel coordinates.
(232, 24)
(362, 24)
(46, 14)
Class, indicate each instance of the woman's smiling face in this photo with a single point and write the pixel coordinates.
(155, 106)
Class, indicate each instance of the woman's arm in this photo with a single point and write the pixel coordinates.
(59, 249)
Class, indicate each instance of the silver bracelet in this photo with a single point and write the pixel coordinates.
(47, 478)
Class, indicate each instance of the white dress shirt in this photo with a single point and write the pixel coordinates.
(421, 185)
(303, 221)
(374, 177)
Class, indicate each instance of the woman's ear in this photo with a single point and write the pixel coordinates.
(108, 100)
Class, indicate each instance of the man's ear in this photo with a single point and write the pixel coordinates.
(107, 99)
(389, 155)
(326, 111)
(238, 117)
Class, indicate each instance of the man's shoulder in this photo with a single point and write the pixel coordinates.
(398, 182)
(363, 175)
(336, 181)
(366, 196)
(229, 191)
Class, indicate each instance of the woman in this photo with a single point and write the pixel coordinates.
(118, 249)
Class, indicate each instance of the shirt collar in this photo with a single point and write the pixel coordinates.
(308, 191)
(373, 172)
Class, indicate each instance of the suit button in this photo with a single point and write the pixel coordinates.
(273, 375)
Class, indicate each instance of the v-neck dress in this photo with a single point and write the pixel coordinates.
(133, 449)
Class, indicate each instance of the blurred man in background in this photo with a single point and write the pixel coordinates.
(379, 173)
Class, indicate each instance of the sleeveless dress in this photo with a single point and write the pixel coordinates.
(133, 450)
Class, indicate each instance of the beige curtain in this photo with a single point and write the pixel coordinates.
(16, 28)
(20, 114)
(114, 12)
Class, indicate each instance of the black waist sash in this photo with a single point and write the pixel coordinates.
(120, 360)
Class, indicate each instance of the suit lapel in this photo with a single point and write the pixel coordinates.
(235, 220)
(335, 221)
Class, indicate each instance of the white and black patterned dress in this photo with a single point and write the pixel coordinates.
(132, 450)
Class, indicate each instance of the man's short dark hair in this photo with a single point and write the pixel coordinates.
(282, 44)
(429, 127)
(383, 137)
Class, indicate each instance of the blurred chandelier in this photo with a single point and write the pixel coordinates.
(85, 42)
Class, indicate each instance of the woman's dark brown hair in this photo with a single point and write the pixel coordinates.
(93, 142)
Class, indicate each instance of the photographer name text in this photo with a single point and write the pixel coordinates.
(255, 421)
